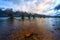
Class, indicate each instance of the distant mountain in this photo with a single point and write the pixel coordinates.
(7, 12)
(17, 13)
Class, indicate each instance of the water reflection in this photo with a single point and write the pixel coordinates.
(29, 29)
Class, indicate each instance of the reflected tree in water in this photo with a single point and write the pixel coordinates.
(33, 16)
(29, 16)
(22, 16)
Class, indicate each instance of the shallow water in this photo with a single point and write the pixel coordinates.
(30, 29)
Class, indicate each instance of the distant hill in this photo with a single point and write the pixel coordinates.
(4, 13)
(17, 14)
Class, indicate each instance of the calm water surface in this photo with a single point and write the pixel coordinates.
(33, 29)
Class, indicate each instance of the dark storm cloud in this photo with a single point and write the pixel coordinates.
(57, 7)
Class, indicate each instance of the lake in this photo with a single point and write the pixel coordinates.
(29, 29)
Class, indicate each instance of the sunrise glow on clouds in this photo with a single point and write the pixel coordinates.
(33, 6)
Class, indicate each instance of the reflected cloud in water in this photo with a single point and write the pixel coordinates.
(41, 26)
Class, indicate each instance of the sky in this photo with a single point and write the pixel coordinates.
(34, 6)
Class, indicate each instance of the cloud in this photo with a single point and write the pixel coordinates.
(34, 6)
(57, 7)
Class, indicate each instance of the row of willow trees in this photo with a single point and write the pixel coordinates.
(10, 13)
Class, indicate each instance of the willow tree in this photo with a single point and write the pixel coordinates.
(9, 13)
